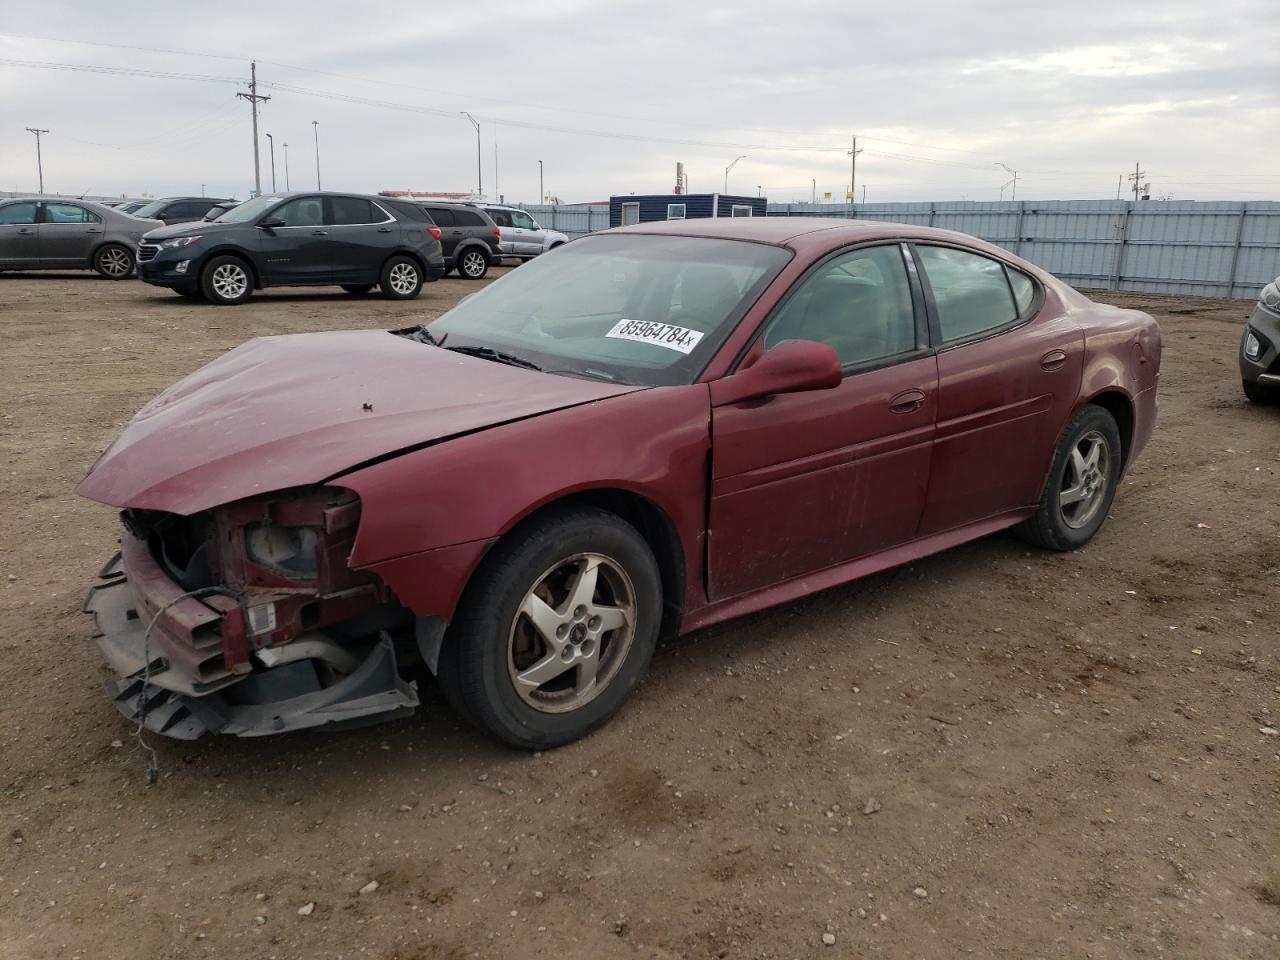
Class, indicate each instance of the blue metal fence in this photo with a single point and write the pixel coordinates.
(1214, 249)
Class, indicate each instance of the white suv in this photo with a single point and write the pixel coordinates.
(521, 235)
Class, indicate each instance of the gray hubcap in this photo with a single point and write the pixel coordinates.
(572, 633)
(1085, 480)
(472, 264)
(114, 262)
(403, 278)
(230, 281)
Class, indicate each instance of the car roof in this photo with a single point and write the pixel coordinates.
(784, 231)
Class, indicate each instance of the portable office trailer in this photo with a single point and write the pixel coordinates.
(634, 208)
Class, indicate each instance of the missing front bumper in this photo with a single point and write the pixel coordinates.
(290, 696)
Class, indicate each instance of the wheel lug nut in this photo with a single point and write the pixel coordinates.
(562, 631)
(594, 623)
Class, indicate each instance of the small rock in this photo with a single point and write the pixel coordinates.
(483, 777)
(117, 744)
(369, 887)
(1155, 775)
(920, 893)
(259, 919)
(1269, 731)
(872, 806)
(12, 578)
(594, 772)
(405, 808)
(259, 896)
(306, 910)
(829, 939)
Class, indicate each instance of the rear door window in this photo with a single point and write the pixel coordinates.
(468, 218)
(345, 211)
(442, 216)
(69, 213)
(18, 213)
(501, 217)
(970, 292)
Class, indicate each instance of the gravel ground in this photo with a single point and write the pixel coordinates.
(995, 752)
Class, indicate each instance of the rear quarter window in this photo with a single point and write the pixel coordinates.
(1024, 290)
(442, 217)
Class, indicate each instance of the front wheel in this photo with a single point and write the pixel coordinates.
(401, 279)
(473, 264)
(113, 261)
(556, 629)
(1082, 483)
(226, 281)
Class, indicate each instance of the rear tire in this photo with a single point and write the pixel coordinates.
(1082, 483)
(1257, 393)
(472, 264)
(357, 288)
(226, 281)
(401, 278)
(113, 261)
(576, 570)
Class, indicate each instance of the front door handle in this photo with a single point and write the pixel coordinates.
(384, 229)
(20, 232)
(93, 230)
(319, 233)
(1053, 360)
(908, 401)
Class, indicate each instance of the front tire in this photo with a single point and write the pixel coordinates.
(472, 264)
(555, 630)
(1082, 483)
(401, 278)
(1257, 393)
(113, 261)
(226, 281)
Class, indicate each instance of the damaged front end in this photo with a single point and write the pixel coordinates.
(246, 619)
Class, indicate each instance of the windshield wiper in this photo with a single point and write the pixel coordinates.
(421, 334)
(498, 356)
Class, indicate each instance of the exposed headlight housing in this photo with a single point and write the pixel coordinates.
(289, 551)
(181, 241)
(1271, 295)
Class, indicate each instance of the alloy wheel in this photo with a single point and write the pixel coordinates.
(1085, 480)
(115, 262)
(572, 633)
(230, 281)
(473, 264)
(403, 278)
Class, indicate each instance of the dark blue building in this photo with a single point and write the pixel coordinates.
(647, 208)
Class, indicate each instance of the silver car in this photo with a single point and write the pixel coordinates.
(44, 233)
(522, 236)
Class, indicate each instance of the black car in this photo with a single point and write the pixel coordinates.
(297, 239)
(177, 209)
(471, 239)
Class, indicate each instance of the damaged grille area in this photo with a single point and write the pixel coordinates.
(179, 544)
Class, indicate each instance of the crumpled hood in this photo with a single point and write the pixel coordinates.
(288, 411)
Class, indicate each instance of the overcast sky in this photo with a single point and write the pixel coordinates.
(610, 95)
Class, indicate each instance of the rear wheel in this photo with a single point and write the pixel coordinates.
(1258, 393)
(1082, 483)
(401, 278)
(556, 629)
(472, 264)
(226, 281)
(357, 288)
(113, 261)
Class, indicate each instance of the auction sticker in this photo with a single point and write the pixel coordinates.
(681, 339)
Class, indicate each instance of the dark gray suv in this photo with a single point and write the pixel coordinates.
(471, 239)
(294, 240)
(1260, 348)
(178, 209)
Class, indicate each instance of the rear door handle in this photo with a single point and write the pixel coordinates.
(1053, 360)
(319, 233)
(93, 230)
(384, 229)
(908, 401)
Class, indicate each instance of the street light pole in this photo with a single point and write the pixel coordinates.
(726, 172)
(286, 168)
(315, 128)
(39, 160)
(479, 175)
(271, 141)
(815, 191)
(542, 193)
(1014, 181)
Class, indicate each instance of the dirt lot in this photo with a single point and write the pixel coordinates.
(1062, 753)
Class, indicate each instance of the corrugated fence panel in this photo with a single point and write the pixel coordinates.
(1217, 249)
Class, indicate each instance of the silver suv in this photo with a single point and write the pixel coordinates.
(521, 235)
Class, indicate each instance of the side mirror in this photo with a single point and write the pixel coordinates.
(271, 223)
(793, 366)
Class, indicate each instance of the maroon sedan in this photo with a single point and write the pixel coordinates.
(648, 431)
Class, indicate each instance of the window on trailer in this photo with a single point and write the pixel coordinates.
(675, 211)
(741, 210)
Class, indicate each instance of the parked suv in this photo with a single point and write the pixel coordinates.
(46, 234)
(522, 236)
(178, 209)
(471, 239)
(1260, 348)
(297, 239)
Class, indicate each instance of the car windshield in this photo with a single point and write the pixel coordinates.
(632, 308)
(150, 209)
(249, 210)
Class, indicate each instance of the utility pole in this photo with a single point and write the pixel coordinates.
(864, 193)
(759, 190)
(254, 99)
(495, 165)
(726, 172)
(815, 191)
(286, 168)
(272, 141)
(1136, 177)
(315, 128)
(39, 160)
(542, 193)
(853, 167)
(479, 176)
(1014, 181)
